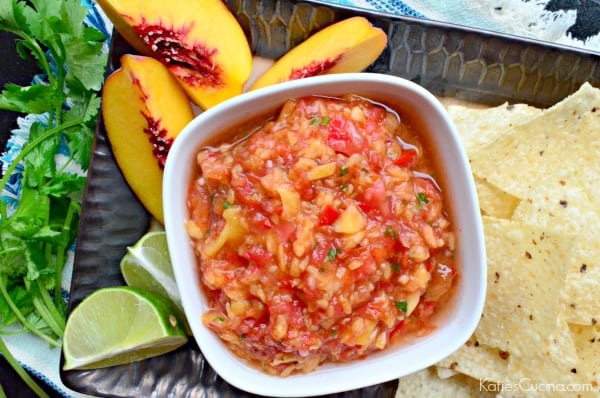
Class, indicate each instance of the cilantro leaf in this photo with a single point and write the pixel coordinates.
(402, 306)
(13, 17)
(82, 56)
(36, 99)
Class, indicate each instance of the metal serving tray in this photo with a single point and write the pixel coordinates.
(450, 61)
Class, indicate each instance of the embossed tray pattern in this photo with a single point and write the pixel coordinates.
(452, 61)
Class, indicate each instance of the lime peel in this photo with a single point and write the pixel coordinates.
(147, 265)
(118, 325)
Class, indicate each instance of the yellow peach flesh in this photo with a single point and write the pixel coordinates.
(144, 108)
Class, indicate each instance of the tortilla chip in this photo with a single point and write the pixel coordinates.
(478, 361)
(547, 371)
(526, 270)
(426, 383)
(587, 343)
(444, 373)
(493, 201)
(478, 127)
(536, 176)
(563, 137)
(581, 294)
(563, 203)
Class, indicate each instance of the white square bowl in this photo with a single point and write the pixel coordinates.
(461, 315)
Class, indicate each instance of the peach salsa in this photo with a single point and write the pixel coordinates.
(321, 234)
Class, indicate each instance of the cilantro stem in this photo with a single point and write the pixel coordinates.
(32, 145)
(12, 361)
(40, 56)
(38, 53)
(22, 318)
(58, 320)
(60, 257)
(44, 312)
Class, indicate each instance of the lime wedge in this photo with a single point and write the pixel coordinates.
(118, 325)
(147, 265)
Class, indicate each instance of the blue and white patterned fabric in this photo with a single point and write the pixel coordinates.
(549, 20)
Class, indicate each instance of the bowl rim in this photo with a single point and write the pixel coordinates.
(326, 379)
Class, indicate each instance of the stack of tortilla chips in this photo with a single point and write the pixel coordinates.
(537, 173)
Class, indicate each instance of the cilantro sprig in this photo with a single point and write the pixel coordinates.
(35, 236)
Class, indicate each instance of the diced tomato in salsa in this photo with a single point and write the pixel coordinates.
(408, 158)
(343, 136)
(328, 216)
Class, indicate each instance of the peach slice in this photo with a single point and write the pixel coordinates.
(144, 108)
(350, 45)
(200, 42)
